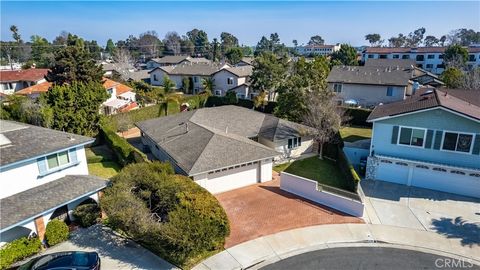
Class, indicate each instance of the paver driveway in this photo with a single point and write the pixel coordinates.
(264, 209)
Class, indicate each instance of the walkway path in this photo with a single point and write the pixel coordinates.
(268, 249)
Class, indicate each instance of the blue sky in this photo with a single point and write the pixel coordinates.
(336, 22)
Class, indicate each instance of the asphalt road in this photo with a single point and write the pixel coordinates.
(368, 258)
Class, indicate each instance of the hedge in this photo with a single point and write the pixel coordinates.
(169, 214)
(56, 232)
(17, 250)
(87, 214)
(215, 101)
(347, 169)
(358, 116)
(124, 151)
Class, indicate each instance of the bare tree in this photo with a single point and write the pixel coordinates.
(173, 42)
(472, 79)
(323, 115)
(123, 62)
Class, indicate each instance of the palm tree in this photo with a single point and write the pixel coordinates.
(167, 96)
(208, 84)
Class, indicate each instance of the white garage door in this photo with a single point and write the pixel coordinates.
(392, 172)
(446, 181)
(233, 178)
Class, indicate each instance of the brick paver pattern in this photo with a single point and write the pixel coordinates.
(264, 209)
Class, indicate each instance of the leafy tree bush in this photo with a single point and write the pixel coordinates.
(358, 116)
(167, 213)
(18, 250)
(56, 232)
(87, 214)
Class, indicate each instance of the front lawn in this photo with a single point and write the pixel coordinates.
(101, 162)
(352, 134)
(325, 172)
(281, 167)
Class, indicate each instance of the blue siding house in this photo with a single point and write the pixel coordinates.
(430, 140)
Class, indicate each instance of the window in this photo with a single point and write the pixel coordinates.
(429, 65)
(420, 65)
(195, 79)
(412, 136)
(440, 56)
(218, 93)
(57, 160)
(471, 58)
(383, 56)
(294, 142)
(458, 142)
(389, 91)
(230, 81)
(457, 172)
(405, 56)
(440, 66)
(422, 167)
(370, 56)
(337, 88)
(155, 77)
(396, 56)
(431, 56)
(439, 169)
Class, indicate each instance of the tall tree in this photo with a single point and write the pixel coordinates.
(149, 44)
(75, 106)
(415, 38)
(399, 41)
(173, 43)
(270, 45)
(61, 39)
(316, 40)
(123, 62)
(74, 64)
(187, 46)
(375, 40)
(168, 95)
(268, 73)
(295, 43)
(455, 56)
(42, 54)
(200, 40)
(93, 49)
(228, 41)
(110, 48)
(464, 37)
(234, 55)
(216, 53)
(453, 77)
(347, 55)
(431, 41)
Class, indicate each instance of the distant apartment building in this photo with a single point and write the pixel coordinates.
(12, 81)
(427, 58)
(317, 49)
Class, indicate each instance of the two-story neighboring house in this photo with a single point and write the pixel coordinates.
(430, 140)
(121, 97)
(194, 72)
(369, 86)
(427, 58)
(171, 60)
(12, 81)
(234, 79)
(43, 175)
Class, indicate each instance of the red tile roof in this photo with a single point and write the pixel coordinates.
(29, 75)
(381, 50)
(44, 86)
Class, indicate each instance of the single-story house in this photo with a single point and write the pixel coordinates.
(429, 140)
(12, 81)
(226, 147)
(121, 97)
(44, 176)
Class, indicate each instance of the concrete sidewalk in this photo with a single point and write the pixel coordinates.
(268, 249)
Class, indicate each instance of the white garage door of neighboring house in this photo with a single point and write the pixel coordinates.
(392, 172)
(234, 178)
(446, 181)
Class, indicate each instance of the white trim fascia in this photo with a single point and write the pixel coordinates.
(226, 167)
(424, 110)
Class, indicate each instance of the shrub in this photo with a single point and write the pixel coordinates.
(169, 214)
(96, 159)
(124, 152)
(18, 250)
(358, 116)
(86, 214)
(56, 232)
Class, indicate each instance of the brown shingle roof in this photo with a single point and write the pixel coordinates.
(30, 75)
(466, 102)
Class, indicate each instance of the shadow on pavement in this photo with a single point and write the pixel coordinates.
(468, 232)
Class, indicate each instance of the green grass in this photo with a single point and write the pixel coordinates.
(352, 134)
(101, 162)
(281, 167)
(323, 171)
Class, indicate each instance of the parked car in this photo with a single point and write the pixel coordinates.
(78, 260)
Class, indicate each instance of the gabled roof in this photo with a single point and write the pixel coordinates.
(370, 75)
(29, 75)
(44, 86)
(465, 102)
(191, 69)
(32, 202)
(218, 137)
(171, 59)
(27, 141)
(247, 60)
(240, 71)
